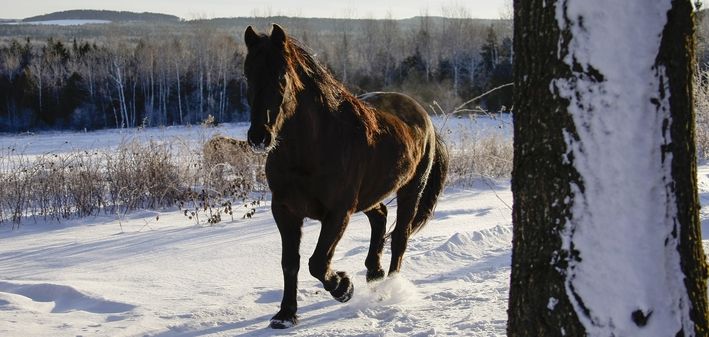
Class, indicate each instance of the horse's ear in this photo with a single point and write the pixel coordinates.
(250, 37)
(278, 36)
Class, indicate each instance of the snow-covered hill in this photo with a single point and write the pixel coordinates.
(72, 22)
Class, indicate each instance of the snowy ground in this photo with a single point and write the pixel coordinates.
(142, 276)
(172, 278)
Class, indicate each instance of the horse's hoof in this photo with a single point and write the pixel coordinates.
(375, 275)
(283, 320)
(344, 290)
(283, 323)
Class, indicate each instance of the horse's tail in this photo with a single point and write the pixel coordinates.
(434, 186)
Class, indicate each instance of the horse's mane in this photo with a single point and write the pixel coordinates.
(331, 92)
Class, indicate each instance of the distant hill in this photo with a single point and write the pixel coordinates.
(115, 16)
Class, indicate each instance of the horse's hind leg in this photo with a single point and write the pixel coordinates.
(377, 219)
(408, 197)
(337, 283)
(407, 200)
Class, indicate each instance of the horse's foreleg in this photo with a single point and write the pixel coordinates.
(337, 283)
(377, 220)
(289, 227)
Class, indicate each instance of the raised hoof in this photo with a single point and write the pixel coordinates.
(344, 290)
(375, 275)
(283, 323)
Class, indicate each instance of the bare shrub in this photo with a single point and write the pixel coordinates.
(141, 176)
(135, 175)
(225, 153)
(475, 154)
(50, 185)
(231, 172)
(207, 180)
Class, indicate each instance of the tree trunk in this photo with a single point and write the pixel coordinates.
(607, 235)
(223, 106)
(456, 76)
(179, 90)
(152, 91)
(39, 91)
(118, 80)
(201, 93)
(134, 114)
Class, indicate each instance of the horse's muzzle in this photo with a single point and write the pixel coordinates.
(260, 141)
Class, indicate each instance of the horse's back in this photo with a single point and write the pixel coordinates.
(404, 145)
(400, 105)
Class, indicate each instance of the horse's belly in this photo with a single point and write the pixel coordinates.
(382, 182)
(297, 194)
(301, 205)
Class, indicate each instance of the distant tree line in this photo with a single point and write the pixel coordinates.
(140, 77)
(152, 82)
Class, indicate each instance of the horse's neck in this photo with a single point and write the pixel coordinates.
(303, 129)
(311, 115)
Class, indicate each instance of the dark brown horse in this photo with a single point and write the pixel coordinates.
(331, 154)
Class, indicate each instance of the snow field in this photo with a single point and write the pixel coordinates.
(134, 275)
(172, 278)
(137, 276)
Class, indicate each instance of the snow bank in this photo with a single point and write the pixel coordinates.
(63, 298)
(476, 244)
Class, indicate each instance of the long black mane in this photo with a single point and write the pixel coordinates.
(305, 70)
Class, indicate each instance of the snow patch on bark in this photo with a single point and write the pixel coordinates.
(623, 236)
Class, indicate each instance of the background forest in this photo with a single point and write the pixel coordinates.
(157, 70)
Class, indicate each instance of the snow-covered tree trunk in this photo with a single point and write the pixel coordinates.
(179, 89)
(201, 91)
(118, 82)
(607, 237)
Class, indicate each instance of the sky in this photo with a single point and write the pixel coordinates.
(190, 9)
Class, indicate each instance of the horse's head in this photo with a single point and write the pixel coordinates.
(266, 69)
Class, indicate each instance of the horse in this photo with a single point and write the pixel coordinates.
(331, 154)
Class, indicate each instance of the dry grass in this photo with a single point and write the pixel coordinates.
(486, 157)
(231, 172)
(133, 176)
(223, 155)
(207, 181)
(475, 155)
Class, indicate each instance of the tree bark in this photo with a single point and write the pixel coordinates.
(549, 191)
(677, 54)
(539, 178)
